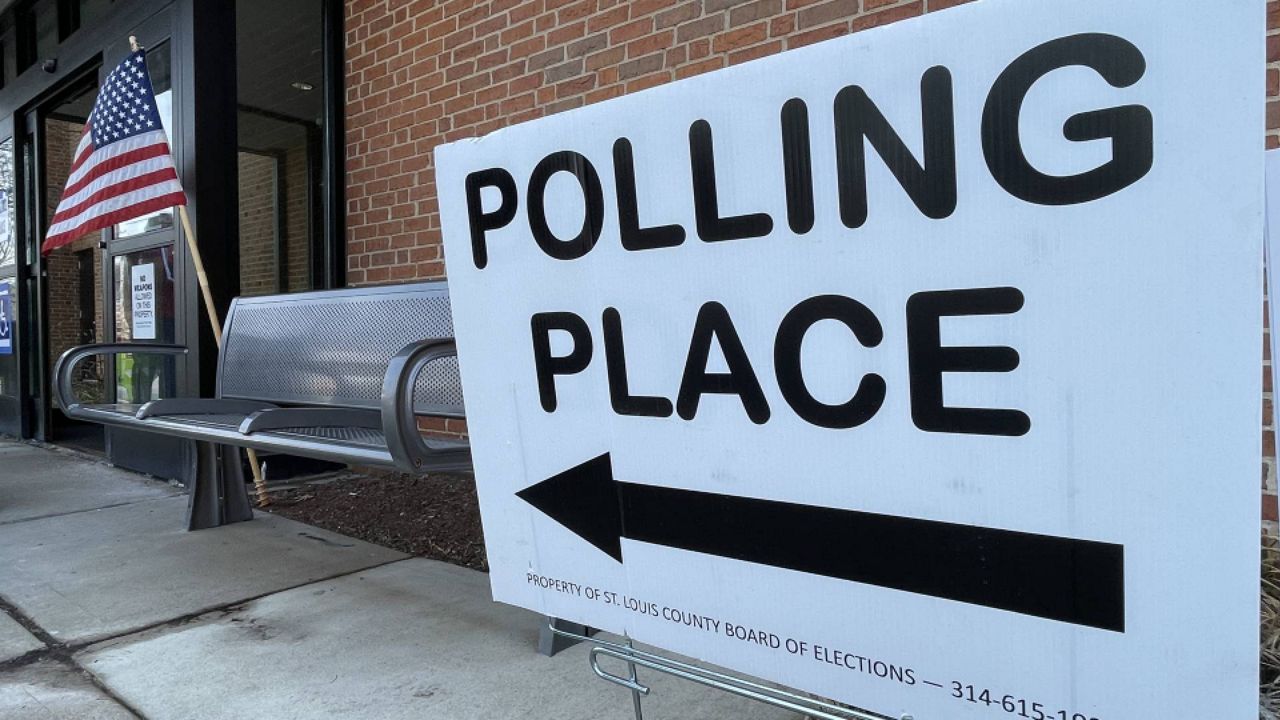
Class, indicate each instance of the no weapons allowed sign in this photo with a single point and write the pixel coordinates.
(917, 368)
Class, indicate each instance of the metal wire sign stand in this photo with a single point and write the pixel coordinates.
(626, 652)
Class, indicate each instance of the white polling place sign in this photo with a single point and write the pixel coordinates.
(917, 368)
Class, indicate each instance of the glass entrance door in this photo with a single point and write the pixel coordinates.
(70, 278)
(142, 272)
(115, 285)
(140, 263)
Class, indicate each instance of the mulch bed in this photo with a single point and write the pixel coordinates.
(436, 516)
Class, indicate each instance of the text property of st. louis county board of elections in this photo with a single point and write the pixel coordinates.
(917, 368)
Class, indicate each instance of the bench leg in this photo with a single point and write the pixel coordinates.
(218, 495)
(550, 643)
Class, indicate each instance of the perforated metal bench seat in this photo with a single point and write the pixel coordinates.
(337, 375)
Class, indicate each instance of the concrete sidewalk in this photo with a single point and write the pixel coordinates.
(109, 610)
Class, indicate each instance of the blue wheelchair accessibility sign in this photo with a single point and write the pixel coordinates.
(6, 321)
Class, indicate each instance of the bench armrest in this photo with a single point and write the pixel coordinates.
(76, 355)
(399, 419)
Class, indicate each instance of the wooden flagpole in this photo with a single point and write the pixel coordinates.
(200, 274)
(259, 484)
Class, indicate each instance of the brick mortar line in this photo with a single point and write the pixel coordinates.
(715, 55)
(725, 13)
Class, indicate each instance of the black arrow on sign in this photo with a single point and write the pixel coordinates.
(1074, 581)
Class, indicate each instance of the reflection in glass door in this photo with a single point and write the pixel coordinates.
(10, 395)
(280, 133)
(144, 312)
(143, 268)
(72, 274)
(142, 273)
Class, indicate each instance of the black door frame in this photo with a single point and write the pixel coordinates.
(203, 41)
(22, 102)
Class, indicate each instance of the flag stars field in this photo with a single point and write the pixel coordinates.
(122, 167)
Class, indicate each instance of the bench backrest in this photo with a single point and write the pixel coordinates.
(331, 348)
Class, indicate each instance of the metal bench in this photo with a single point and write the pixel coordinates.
(339, 375)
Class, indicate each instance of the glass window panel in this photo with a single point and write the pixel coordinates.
(37, 27)
(92, 12)
(8, 208)
(260, 215)
(8, 270)
(158, 64)
(46, 26)
(8, 48)
(144, 312)
(8, 335)
(280, 93)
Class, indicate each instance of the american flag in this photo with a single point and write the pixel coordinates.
(122, 167)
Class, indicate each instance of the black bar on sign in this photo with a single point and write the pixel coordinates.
(1074, 581)
(1064, 579)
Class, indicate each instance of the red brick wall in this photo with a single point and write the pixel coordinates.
(65, 311)
(260, 271)
(426, 72)
(258, 224)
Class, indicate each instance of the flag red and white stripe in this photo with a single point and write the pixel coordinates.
(123, 167)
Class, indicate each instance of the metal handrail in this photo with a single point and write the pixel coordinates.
(769, 695)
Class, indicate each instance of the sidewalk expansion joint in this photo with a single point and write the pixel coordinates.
(27, 623)
(55, 651)
(226, 608)
(64, 653)
(106, 689)
(55, 646)
(126, 503)
(179, 621)
(63, 656)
